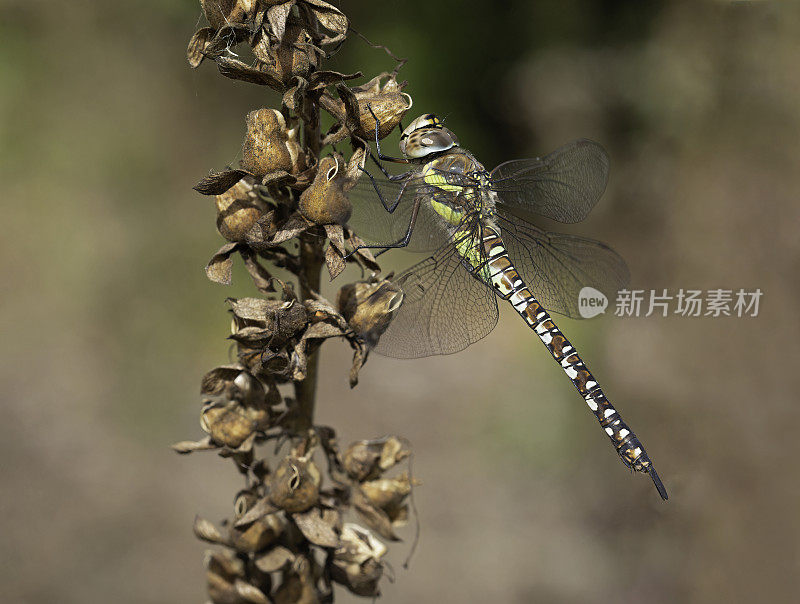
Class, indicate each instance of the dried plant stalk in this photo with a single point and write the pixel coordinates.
(289, 538)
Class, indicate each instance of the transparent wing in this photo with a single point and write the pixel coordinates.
(556, 266)
(444, 309)
(376, 226)
(564, 185)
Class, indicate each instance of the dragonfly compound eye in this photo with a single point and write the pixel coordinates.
(426, 135)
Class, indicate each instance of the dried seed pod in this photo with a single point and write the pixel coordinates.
(269, 146)
(361, 460)
(244, 500)
(389, 104)
(298, 585)
(294, 486)
(325, 202)
(223, 570)
(388, 494)
(227, 424)
(320, 526)
(258, 535)
(369, 307)
(293, 56)
(357, 562)
(237, 211)
(275, 321)
(226, 12)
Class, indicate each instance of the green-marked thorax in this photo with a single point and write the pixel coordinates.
(461, 197)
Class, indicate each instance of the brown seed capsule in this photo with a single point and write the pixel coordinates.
(361, 460)
(357, 563)
(292, 56)
(389, 103)
(294, 486)
(387, 493)
(325, 202)
(269, 146)
(369, 307)
(258, 535)
(228, 425)
(237, 211)
(223, 569)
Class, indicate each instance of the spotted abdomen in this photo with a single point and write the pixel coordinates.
(498, 269)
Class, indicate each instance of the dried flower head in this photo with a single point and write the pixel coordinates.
(238, 209)
(285, 209)
(293, 55)
(369, 307)
(357, 563)
(269, 146)
(359, 106)
(294, 486)
(325, 201)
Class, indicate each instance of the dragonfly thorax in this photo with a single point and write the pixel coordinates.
(425, 136)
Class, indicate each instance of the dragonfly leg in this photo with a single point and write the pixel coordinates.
(389, 207)
(403, 242)
(389, 176)
(397, 160)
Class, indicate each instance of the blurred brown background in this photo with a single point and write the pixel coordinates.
(108, 321)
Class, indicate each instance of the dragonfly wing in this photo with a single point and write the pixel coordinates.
(556, 266)
(444, 309)
(564, 185)
(373, 223)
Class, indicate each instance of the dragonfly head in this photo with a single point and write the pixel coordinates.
(426, 135)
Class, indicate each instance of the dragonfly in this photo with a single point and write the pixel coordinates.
(477, 227)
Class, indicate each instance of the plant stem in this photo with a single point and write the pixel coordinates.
(311, 260)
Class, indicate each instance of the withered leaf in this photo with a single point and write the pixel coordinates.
(394, 451)
(293, 226)
(278, 177)
(189, 446)
(237, 70)
(254, 309)
(206, 530)
(321, 310)
(331, 18)
(252, 336)
(293, 97)
(220, 268)
(359, 358)
(322, 78)
(194, 52)
(318, 526)
(261, 508)
(299, 361)
(350, 103)
(217, 183)
(335, 233)
(250, 593)
(277, 15)
(334, 261)
(262, 279)
(364, 255)
(332, 106)
(336, 134)
(322, 330)
(224, 563)
(274, 560)
(215, 381)
(375, 518)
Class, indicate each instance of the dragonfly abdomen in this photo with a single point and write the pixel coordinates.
(509, 285)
